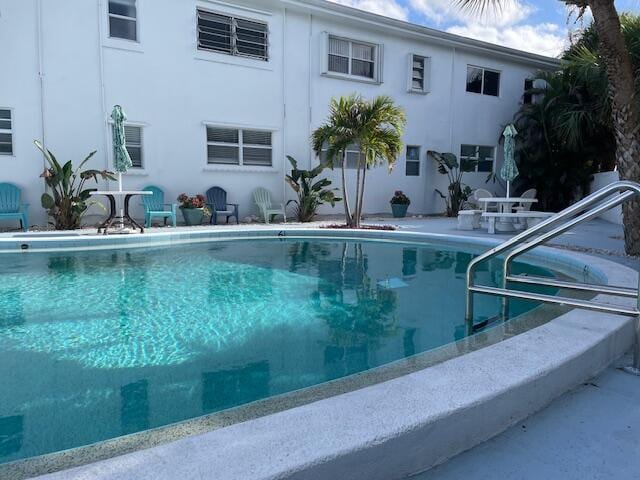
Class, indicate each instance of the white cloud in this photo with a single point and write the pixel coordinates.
(544, 39)
(506, 25)
(388, 8)
(440, 11)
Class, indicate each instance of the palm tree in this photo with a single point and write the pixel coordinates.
(375, 126)
(621, 86)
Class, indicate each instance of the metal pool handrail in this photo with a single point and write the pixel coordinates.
(589, 207)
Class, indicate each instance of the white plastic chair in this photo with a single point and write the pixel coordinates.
(262, 198)
(482, 193)
(526, 206)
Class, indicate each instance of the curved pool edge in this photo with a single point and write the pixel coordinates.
(388, 426)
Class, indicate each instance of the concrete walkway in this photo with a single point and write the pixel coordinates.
(590, 433)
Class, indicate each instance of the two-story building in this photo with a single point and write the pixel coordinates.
(219, 92)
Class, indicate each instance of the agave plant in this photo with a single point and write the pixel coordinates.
(69, 199)
(457, 192)
(311, 193)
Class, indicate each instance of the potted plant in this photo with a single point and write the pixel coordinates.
(193, 208)
(399, 204)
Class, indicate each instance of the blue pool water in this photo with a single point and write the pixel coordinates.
(95, 345)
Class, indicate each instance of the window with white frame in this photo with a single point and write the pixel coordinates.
(123, 19)
(351, 161)
(353, 58)
(6, 132)
(477, 158)
(483, 81)
(412, 167)
(419, 73)
(133, 142)
(232, 35)
(234, 146)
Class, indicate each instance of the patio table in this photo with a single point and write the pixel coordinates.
(111, 195)
(505, 204)
(505, 210)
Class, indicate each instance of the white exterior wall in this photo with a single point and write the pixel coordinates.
(172, 90)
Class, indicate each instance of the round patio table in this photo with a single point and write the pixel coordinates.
(126, 218)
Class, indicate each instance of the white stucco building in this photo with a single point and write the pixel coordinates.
(218, 92)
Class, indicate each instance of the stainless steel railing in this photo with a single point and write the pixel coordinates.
(589, 207)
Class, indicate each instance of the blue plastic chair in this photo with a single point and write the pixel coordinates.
(154, 206)
(217, 202)
(10, 206)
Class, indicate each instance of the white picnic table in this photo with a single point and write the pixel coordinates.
(505, 219)
(505, 204)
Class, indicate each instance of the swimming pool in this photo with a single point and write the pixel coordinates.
(99, 344)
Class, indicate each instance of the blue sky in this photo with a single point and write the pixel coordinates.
(542, 26)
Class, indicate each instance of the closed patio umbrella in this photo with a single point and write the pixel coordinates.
(121, 159)
(509, 170)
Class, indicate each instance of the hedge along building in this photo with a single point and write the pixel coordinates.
(219, 92)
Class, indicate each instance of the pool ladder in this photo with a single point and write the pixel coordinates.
(586, 209)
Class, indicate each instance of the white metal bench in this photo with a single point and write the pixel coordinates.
(530, 217)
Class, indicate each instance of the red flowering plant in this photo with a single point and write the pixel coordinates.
(195, 201)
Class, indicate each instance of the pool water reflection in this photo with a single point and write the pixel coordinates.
(94, 345)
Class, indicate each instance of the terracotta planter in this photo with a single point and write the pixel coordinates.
(192, 216)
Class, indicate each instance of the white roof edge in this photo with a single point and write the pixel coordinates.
(404, 28)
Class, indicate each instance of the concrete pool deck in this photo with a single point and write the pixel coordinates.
(618, 395)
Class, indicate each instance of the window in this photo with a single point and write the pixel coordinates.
(352, 58)
(133, 139)
(481, 80)
(412, 167)
(6, 132)
(527, 98)
(232, 146)
(353, 151)
(476, 158)
(419, 72)
(123, 19)
(233, 36)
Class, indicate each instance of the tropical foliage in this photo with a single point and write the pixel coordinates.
(311, 193)
(567, 134)
(69, 199)
(561, 143)
(457, 191)
(608, 52)
(375, 126)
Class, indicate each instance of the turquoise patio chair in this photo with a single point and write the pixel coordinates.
(10, 206)
(217, 202)
(262, 198)
(154, 206)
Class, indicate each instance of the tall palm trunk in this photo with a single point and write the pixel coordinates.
(361, 198)
(356, 208)
(345, 196)
(623, 108)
